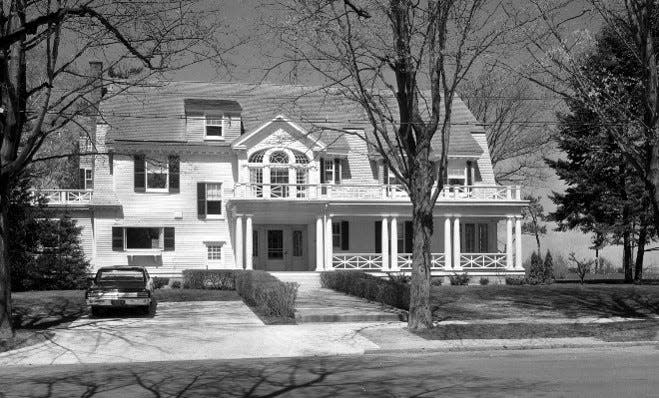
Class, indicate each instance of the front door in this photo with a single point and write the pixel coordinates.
(285, 248)
(298, 250)
(276, 253)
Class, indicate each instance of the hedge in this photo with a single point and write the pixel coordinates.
(269, 294)
(393, 291)
(209, 279)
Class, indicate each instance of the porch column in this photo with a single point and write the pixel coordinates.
(447, 244)
(394, 244)
(328, 243)
(249, 243)
(385, 243)
(509, 243)
(319, 244)
(239, 242)
(518, 243)
(457, 266)
(266, 182)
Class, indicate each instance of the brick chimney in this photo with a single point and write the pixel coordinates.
(96, 80)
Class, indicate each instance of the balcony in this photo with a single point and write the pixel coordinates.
(66, 197)
(370, 192)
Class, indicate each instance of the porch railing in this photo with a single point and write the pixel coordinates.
(437, 261)
(370, 192)
(357, 261)
(66, 196)
(483, 260)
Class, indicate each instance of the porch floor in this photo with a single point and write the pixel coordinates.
(317, 304)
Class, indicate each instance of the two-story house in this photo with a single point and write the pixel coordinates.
(272, 177)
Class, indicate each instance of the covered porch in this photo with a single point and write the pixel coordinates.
(322, 236)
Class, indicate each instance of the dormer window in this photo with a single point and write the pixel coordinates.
(214, 127)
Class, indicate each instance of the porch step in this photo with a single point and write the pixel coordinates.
(307, 280)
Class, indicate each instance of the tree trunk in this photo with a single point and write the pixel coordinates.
(640, 252)
(537, 241)
(6, 328)
(627, 257)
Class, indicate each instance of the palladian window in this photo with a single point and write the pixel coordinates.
(278, 173)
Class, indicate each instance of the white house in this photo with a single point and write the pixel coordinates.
(237, 176)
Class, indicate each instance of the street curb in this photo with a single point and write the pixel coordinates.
(514, 347)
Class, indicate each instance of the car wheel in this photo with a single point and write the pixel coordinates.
(96, 311)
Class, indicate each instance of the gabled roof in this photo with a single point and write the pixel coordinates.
(158, 114)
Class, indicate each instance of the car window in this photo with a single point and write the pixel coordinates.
(120, 275)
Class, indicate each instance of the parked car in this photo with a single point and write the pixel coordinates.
(121, 287)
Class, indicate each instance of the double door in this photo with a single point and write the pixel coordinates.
(281, 248)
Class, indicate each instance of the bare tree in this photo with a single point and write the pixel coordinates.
(402, 62)
(510, 109)
(44, 46)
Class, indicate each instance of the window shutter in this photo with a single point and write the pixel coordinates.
(201, 200)
(170, 240)
(174, 174)
(81, 179)
(322, 171)
(139, 174)
(345, 236)
(469, 168)
(111, 162)
(345, 169)
(337, 171)
(378, 236)
(117, 239)
(409, 235)
(385, 174)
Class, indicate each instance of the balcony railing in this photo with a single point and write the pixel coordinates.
(371, 192)
(66, 196)
(373, 261)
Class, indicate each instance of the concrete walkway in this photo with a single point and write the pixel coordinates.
(316, 304)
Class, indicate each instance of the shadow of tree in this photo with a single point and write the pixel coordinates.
(300, 377)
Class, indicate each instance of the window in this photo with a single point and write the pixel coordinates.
(456, 174)
(301, 180)
(86, 178)
(389, 177)
(275, 244)
(214, 127)
(255, 243)
(214, 252)
(340, 235)
(155, 175)
(279, 157)
(475, 238)
(297, 243)
(279, 182)
(209, 199)
(143, 238)
(256, 182)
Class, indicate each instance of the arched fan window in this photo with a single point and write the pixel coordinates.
(300, 158)
(257, 157)
(279, 157)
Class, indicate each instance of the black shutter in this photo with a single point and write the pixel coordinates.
(111, 161)
(378, 236)
(139, 174)
(201, 200)
(170, 240)
(469, 167)
(409, 235)
(345, 236)
(81, 179)
(174, 174)
(117, 239)
(322, 171)
(345, 170)
(337, 171)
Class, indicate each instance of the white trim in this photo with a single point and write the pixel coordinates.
(239, 144)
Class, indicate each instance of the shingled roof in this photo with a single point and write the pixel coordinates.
(157, 114)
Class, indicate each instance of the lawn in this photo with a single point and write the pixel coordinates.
(545, 301)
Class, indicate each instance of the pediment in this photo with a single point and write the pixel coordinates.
(279, 132)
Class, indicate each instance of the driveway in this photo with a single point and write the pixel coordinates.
(188, 331)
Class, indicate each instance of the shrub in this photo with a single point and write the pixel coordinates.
(484, 281)
(459, 279)
(209, 279)
(548, 275)
(516, 280)
(393, 291)
(270, 295)
(581, 267)
(160, 282)
(176, 285)
(536, 273)
(436, 281)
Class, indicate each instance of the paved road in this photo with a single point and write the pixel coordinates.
(628, 372)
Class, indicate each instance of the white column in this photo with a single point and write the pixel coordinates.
(447, 244)
(456, 244)
(239, 242)
(394, 244)
(328, 244)
(319, 244)
(249, 243)
(509, 243)
(518, 243)
(385, 243)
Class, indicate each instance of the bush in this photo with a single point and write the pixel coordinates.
(176, 285)
(209, 279)
(160, 282)
(548, 276)
(539, 271)
(516, 280)
(394, 291)
(436, 281)
(459, 279)
(270, 295)
(484, 281)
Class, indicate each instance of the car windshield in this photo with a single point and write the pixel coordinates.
(120, 275)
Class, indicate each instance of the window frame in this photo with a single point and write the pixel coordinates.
(222, 125)
(212, 216)
(164, 167)
(164, 237)
(214, 252)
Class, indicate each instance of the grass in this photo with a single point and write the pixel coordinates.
(643, 330)
(545, 301)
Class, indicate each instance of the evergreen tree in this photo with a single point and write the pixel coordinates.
(536, 270)
(548, 276)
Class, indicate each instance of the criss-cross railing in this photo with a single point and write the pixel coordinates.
(437, 261)
(357, 261)
(66, 196)
(483, 260)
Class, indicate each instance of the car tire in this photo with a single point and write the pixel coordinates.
(96, 311)
(146, 310)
